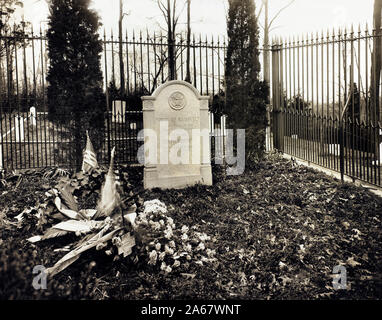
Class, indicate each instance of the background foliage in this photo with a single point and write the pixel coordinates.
(75, 76)
(246, 95)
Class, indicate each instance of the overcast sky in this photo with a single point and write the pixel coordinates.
(209, 16)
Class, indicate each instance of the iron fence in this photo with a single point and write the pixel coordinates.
(326, 101)
(139, 63)
(132, 66)
(32, 140)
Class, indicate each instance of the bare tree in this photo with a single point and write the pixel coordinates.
(266, 52)
(267, 29)
(171, 16)
(188, 72)
(121, 65)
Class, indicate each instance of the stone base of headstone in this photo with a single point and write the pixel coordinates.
(153, 180)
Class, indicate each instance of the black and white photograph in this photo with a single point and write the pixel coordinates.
(191, 155)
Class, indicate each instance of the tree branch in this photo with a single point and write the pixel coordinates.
(279, 12)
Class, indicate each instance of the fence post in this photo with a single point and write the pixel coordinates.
(276, 98)
(342, 147)
(1, 156)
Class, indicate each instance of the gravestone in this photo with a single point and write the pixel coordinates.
(32, 115)
(177, 146)
(19, 128)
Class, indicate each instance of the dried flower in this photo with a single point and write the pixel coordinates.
(158, 246)
(168, 269)
(172, 244)
(168, 250)
(156, 226)
(185, 229)
(163, 266)
(200, 247)
(204, 259)
(161, 256)
(154, 206)
(153, 257)
(168, 233)
(203, 237)
(184, 237)
(176, 264)
(210, 253)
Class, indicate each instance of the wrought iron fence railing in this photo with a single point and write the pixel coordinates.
(326, 101)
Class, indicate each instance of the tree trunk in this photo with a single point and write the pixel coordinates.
(121, 65)
(266, 44)
(170, 43)
(267, 72)
(188, 74)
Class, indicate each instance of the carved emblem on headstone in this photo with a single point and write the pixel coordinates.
(177, 101)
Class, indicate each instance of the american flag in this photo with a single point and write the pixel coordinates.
(90, 158)
(109, 196)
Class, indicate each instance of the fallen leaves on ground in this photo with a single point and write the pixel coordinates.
(277, 231)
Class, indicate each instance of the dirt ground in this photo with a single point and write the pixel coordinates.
(278, 231)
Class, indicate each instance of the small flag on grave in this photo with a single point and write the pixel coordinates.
(90, 159)
(109, 196)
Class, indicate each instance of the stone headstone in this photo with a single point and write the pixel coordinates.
(19, 128)
(32, 115)
(176, 128)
